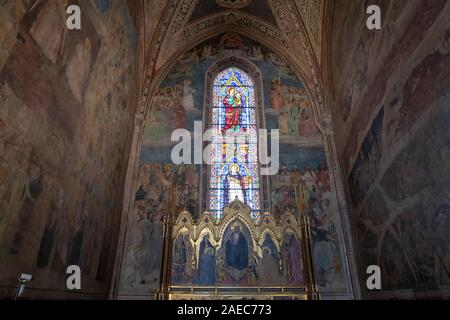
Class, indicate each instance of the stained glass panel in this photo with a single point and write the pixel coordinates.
(234, 154)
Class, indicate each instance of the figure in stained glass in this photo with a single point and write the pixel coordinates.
(233, 105)
(235, 184)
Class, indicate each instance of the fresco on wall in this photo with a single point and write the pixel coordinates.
(367, 163)
(159, 188)
(420, 91)
(410, 33)
(173, 107)
(64, 129)
(11, 14)
(400, 179)
(422, 179)
(179, 99)
(301, 171)
(142, 259)
(292, 266)
(401, 225)
(269, 271)
(293, 111)
(303, 185)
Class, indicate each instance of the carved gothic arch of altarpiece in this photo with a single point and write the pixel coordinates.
(306, 69)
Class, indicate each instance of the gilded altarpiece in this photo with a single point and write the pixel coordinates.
(238, 257)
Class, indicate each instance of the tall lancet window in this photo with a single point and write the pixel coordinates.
(234, 150)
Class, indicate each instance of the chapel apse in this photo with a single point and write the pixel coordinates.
(303, 174)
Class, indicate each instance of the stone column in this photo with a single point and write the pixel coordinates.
(128, 201)
(166, 263)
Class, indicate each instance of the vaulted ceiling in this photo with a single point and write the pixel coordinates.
(290, 28)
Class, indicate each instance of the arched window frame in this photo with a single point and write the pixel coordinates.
(253, 72)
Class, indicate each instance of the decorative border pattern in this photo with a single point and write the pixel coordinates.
(179, 19)
(235, 18)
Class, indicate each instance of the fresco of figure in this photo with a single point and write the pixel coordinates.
(188, 96)
(180, 260)
(152, 243)
(292, 263)
(31, 192)
(268, 243)
(270, 271)
(283, 125)
(133, 267)
(237, 250)
(324, 247)
(293, 120)
(206, 273)
(276, 97)
(78, 68)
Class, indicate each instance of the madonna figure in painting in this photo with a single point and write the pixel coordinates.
(233, 105)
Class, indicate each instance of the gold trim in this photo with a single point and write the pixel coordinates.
(237, 212)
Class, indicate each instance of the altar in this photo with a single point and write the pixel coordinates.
(237, 257)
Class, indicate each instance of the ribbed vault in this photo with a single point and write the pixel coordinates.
(187, 23)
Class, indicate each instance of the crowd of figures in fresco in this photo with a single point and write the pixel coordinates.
(293, 109)
(159, 188)
(235, 262)
(306, 190)
(179, 100)
(174, 108)
(412, 244)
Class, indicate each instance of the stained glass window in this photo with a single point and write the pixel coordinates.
(234, 151)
